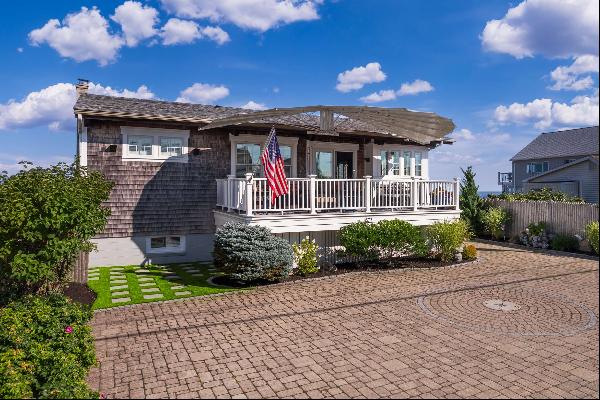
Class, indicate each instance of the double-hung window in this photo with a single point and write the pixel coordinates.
(390, 163)
(418, 164)
(247, 150)
(406, 158)
(247, 159)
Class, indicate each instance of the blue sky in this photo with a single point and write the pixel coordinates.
(502, 71)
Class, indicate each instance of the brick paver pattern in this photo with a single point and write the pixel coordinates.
(411, 333)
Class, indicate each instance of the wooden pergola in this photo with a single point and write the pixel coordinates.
(417, 126)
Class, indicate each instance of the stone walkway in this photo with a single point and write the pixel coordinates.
(515, 324)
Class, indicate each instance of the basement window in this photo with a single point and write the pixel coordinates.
(165, 244)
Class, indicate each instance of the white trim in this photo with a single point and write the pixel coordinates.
(156, 134)
(234, 140)
(166, 250)
(313, 146)
(83, 147)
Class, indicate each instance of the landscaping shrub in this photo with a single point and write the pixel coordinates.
(591, 233)
(46, 348)
(250, 253)
(359, 240)
(471, 204)
(396, 237)
(535, 235)
(494, 221)
(469, 252)
(564, 243)
(543, 194)
(305, 254)
(446, 238)
(47, 217)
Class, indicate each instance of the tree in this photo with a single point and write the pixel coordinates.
(47, 217)
(471, 204)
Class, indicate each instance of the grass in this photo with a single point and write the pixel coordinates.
(196, 285)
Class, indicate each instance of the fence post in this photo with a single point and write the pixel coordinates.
(313, 193)
(249, 194)
(228, 193)
(368, 193)
(456, 195)
(414, 193)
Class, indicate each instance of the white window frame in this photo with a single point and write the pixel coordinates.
(166, 250)
(377, 149)
(234, 140)
(156, 134)
(315, 146)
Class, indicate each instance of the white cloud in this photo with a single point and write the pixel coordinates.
(552, 28)
(251, 105)
(260, 15)
(137, 21)
(19, 49)
(464, 134)
(203, 93)
(415, 87)
(178, 31)
(82, 36)
(569, 78)
(544, 113)
(216, 34)
(357, 77)
(377, 97)
(53, 106)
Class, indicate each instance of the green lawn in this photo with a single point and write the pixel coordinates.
(118, 286)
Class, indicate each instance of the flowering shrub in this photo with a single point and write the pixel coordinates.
(305, 254)
(535, 235)
(250, 253)
(591, 233)
(46, 349)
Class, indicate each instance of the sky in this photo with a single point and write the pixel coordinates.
(502, 71)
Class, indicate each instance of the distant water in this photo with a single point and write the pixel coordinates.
(483, 195)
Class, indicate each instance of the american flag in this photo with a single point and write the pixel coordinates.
(274, 168)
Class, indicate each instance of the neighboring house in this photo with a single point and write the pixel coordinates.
(565, 161)
(181, 170)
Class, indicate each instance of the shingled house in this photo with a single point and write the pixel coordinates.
(565, 161)
(181, 170)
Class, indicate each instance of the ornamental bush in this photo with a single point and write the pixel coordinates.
(359, 240)
(469, 252)
(564, 243)
(591, 233)
(396, 237)
(494, 221)
(250, 253)
(46, 348)
(543, 194)
(446, 238)
(305, 254)
(47, 217)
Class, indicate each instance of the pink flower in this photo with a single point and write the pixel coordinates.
(103, 395)
(69, 329)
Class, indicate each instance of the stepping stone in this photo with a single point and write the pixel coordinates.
(93, 278)
(118, 282)
(166, 272)
(139, 271)
(145, 279)
(177, 287)
(121, 300)
(153, 296)
(192, 270)
(123, 293)
(147, 284)
(117, 269)
(172, 277)
(149, 290)
(185, 293)
(118, 287)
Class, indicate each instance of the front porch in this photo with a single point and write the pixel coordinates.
(314, 205)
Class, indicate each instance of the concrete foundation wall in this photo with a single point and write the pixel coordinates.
(132, 251)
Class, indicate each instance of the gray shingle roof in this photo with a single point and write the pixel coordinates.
(567, 143)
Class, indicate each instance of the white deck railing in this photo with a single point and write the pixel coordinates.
(312, 195)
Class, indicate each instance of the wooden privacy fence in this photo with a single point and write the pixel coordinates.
(563, 218)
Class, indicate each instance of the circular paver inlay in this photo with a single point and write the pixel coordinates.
(510, 311)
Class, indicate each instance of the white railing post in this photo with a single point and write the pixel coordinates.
(312, 192)
(249, 196)
(414, 193)
(368, 193)
(456, 194)
(228, 201)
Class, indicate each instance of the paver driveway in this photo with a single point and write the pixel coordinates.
(515, 324)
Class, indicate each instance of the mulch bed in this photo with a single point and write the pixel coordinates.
(80, 293)
(348, 267)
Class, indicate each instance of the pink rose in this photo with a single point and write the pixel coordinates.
(69, 329)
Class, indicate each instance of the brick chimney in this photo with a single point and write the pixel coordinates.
(82, 86)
